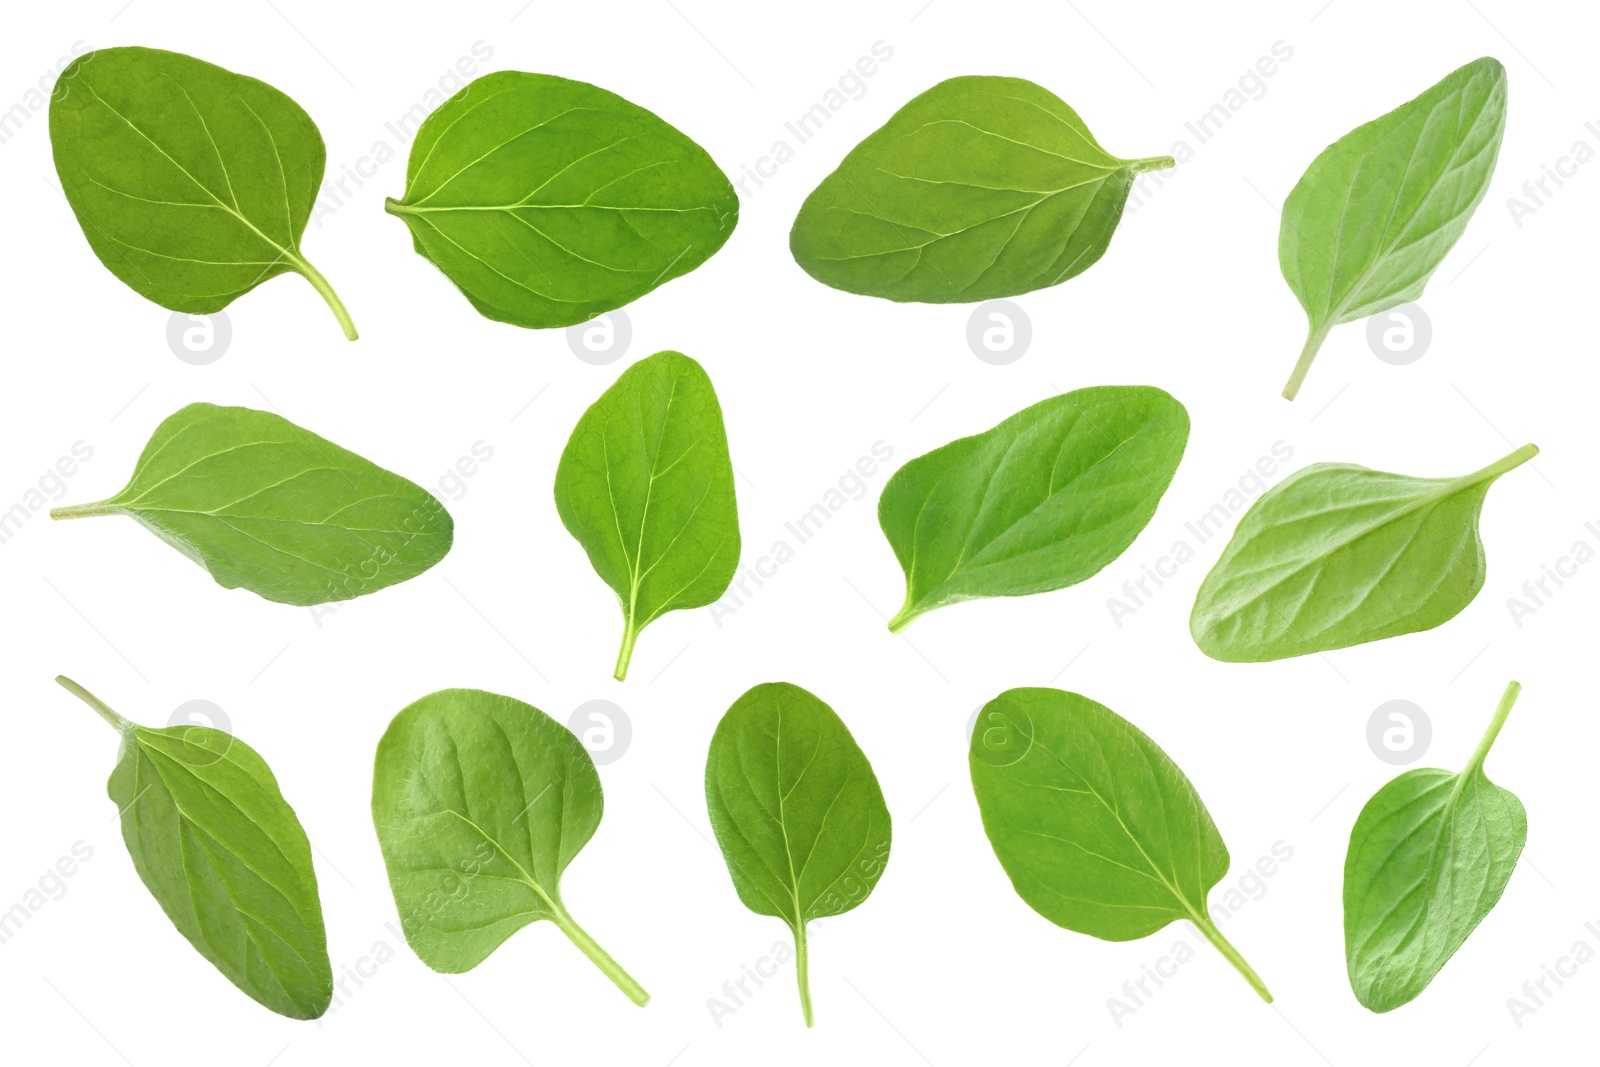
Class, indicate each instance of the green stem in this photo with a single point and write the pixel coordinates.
(1307, 354)
(625, 653)
(320, 284)
(908, 611)
(802, 970)
(1511, 461)
(1231, 954)
(1139, 166)
(601, 958)
(101, 708)
(1508, 698)
(84, 511)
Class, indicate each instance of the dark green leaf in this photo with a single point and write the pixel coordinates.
(192, 183)
(979, 188)
(1040, 502)
(224, 855)
(263, 504)
(1337, 555)
(549, 201)
(1429, 856)
(1098, 830)
(1375, 213)
(480, 802)
(796, 810)
(646, 486)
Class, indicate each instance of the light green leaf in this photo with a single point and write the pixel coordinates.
(192, 183)
(1337, 555)
(979, 188)
(645, 485)
(797, 811)
(1098, 830)
(1042, 501)
(1375, 214)
(1429, 857)
(264, 505)
(549, 201)
(224, 855)
(480, 802)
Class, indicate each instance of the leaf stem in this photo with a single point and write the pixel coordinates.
(1307, 354)
(802, 971)
(600, 957)
(84, 511)
(904, 616)
(101, 708)
(1139, 166)
(625, 653)
(1231, 954)
(1511, 461)
(320, 284)
(1508, 698)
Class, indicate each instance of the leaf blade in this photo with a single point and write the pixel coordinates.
(192, 184)
(981, 187)
(548, 201)
(1377, 211)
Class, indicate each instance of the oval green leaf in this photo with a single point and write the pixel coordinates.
(1429, 857)
(981, 187)
(797, 811)
(1042, 501)
(1338, 555)
(1375, 214)
(192, 183)
(480, 802)
(222, 852)
(1098, 830)
(548, 201)
(267, 506)
(645, 485)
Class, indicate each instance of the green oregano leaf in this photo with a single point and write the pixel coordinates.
(1338, 555)
(645, 485)
(192, 183)
(267, 506)
(797, 812)
(1042, 501)
(1429, 857)
(981, 187)
(548, 201)
(1375, 213)
(480, 802)
(224, 855)
(1098, 830)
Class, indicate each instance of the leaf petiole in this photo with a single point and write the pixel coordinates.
(600, 957)
(1508, 698)
(84, 511)
(1307, 355)
(802, 971)
(321, 285)
(630, 634)
(1231, 954)
(101, 708)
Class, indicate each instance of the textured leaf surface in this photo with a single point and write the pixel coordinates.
(796, 810)
(645, 485)
(192, 183)
(1041, 501)
(1337, 555)
(981, 187)
(549, 201)
(269, 507)
(480, 802)
(1374, 215)
(1429, 857)
(224, 855)
(1098, 830)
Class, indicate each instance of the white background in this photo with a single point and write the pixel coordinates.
(943, 964)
